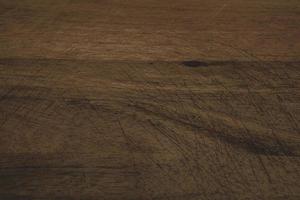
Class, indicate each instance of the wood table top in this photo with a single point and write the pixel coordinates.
(119, 99)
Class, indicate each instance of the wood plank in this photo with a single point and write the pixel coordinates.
(149, 99)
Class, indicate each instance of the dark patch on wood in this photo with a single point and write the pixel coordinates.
(195, 63)
(250, 144)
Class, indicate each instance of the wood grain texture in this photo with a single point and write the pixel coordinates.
(149, 99)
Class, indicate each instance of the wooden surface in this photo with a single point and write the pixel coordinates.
(132, 99)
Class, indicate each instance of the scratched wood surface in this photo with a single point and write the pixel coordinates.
(181, 99)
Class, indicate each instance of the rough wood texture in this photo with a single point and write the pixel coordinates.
(181, 99)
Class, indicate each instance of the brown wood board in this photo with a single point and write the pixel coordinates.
(149, 99)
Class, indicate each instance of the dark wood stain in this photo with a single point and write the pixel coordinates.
(194, 63)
